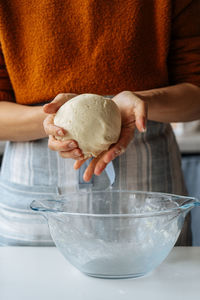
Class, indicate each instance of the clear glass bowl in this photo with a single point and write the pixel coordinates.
(115, 234)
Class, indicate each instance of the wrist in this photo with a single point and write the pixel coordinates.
(37, 118)
(149, 95)
(153, 99)
(177, 103)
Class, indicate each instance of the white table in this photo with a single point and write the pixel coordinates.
(42, 273)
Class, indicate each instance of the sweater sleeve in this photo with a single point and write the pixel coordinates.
(6, 90)
(184, 52)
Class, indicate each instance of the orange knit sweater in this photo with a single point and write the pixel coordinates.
(96, 46)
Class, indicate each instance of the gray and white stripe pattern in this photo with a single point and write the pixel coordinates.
(31, 171)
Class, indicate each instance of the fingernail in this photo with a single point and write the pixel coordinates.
(72, 145)
(60, 132)
(144, 122)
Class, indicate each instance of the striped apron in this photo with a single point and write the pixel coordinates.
(30, 170)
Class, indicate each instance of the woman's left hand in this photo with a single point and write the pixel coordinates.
(134, 114)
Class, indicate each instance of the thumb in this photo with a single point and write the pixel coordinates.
(58, 101)
(141, 111)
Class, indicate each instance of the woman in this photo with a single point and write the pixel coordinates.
(144, 55)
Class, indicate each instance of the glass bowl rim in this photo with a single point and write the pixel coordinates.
(186, 205)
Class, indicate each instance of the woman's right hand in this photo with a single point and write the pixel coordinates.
(68, 148)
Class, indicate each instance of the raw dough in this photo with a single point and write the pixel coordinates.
(92, 120)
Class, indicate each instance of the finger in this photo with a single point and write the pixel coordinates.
(75, 154)
(100, 166)
(90, 170)
(117, 149)
(57, 145)
(79, 163)
(52, 129)
(58, 101)
(141, 116)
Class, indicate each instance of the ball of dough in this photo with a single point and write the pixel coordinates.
(91, 120)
